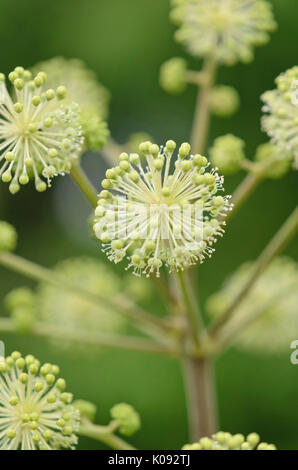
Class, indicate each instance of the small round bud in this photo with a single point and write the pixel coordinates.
(61, 92)
(173, 75)
(224, 101)
(127, 418)
(184, 150)
(18, 107)
(227, 154)
(8, 237)
(86, 409)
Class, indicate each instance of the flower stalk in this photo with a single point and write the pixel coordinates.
(144, 321)
(104, 434)
(202, 112)
(275, 246)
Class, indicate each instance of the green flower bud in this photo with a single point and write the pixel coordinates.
(127, 418)
(8, 237)
(95, 130)
(20, 297)
(281, 165)
(224, 101)
(173, 75)
(226, 441)
(227, 154)
(86, 409)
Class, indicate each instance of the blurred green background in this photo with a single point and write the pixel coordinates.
(125, 42)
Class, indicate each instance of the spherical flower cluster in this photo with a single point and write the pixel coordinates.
(280, 162)
(21, 304)
(281, 120)
(227, 154)
(35, 411)
(226, 441)
(83, 88)
(224, 101)
(173, 75)
(8, 237)
(40, 133)
(154, 216)
(226, 30)
(271, 307)
(127, 418)
(61, 308)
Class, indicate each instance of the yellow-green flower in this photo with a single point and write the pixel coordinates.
(35, 411)
(226, 441)
(266, 319)
(40, 133)
(226, 30)
(154, 215)
(83, 88)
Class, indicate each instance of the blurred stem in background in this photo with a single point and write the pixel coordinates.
(275, 246)
(198, 347)
(198, 373)
(147, 323)
(201, 121)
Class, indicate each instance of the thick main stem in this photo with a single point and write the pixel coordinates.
(201, 397)
(202, 112)
(276, 245)
(197, 371)
(191, 308)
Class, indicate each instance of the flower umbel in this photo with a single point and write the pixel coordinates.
(271, 307)
(154, 217)
(67, 310)
(227, 441)
(226, 30)
(40, 135)
(281, 120)
(227, 153)
(8, 236)
(83, 88)
(35, 411)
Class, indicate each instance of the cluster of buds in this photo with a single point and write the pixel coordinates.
(266, 318)
(281, 118)
(8, 237)
(226, 441)
(155, 217)
(40, 133)
(226, 30)
(35, 411)
(82, 88)
(227, 153)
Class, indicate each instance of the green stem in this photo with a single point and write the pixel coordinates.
(276, 245)
(249, 184)
(91, 339)
(104, 435)
(141, 319)
(202, 113)
(231, 331)
(81, 179)
(201, 397)
(191, 307)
